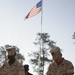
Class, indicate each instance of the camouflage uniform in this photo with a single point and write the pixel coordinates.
(14, 69)
(61, 69)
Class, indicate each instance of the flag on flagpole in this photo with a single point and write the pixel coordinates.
(35, 10)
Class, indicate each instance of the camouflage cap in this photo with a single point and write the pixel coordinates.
(55, 50)
(11, 50)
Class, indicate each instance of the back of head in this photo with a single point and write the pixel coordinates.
(26, 67)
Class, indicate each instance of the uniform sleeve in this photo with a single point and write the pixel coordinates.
(70, 68)
(21, 71)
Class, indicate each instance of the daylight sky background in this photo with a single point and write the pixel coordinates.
(58, 21)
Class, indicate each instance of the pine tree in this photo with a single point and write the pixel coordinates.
(44, 44)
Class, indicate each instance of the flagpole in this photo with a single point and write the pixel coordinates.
(40, 68)
(41, 32)
(41, 15)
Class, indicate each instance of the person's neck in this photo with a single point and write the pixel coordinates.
(11, 62)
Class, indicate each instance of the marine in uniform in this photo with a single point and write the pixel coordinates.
(59, 66)
(12, 67)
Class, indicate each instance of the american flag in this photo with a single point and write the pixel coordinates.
(35, 10)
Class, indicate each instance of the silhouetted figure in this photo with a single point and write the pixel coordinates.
(26, 68)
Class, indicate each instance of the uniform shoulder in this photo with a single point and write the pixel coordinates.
(53, 64)
(5, 63)
(17, 64)
(67, 61)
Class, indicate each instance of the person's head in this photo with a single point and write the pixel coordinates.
(26, 67)
(56, 54)
(11, 53)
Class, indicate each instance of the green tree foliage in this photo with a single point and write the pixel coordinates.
(43, 43)
(3, 54)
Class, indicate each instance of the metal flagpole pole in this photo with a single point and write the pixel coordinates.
(40, 68)
(41, 14)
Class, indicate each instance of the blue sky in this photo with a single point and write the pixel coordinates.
(58, 20)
